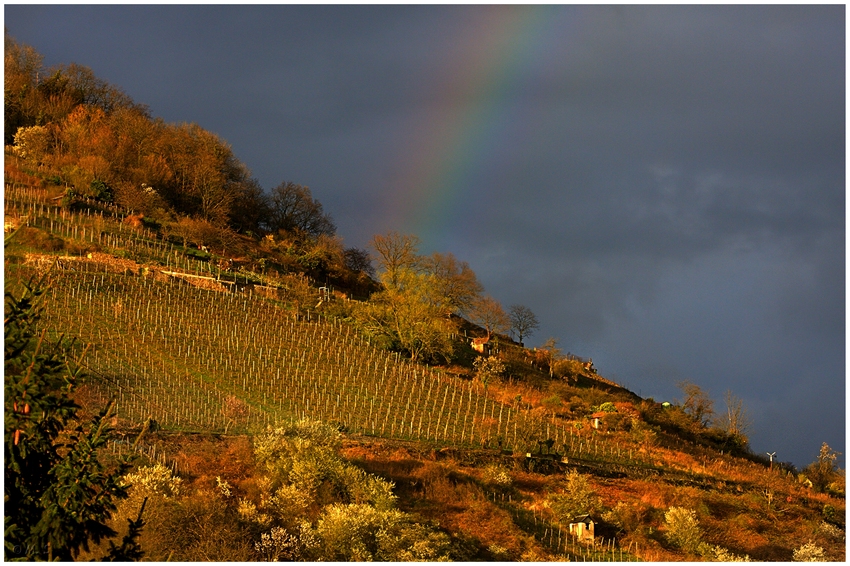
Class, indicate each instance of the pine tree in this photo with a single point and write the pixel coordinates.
(58, 495)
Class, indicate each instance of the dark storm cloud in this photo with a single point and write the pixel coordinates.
(671, 202)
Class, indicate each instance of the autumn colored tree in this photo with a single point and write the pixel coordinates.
(407, 313)
(455, 285)
(35, 96)
(208, 173)
(406, 317)
(551, 354)
(523, 321)
(193, 231)
(576, 499)
(487, 312)
(323, 256)
(32, 142)
(298, 291)
(86, 88)
(79, 128)
(22, 100)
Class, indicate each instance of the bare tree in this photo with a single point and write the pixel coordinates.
(552, 354)
(293, 209)
(396, 253)
(735, 421)
(523, 321)
(235, 410)
(822, 471)
(697, 403)
(358, 260)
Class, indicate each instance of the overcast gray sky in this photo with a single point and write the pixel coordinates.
(663, 186)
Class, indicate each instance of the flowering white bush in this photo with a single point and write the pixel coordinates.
(299, 454)
(362, 487)
(720, 554)
(276, 545)
(223, 487)
(289, 500)
(498, 475)
(499, 552)
(32, 142)
(683, 528)
(300, 462)
(153, 480)
(248, 511)
(488, 369)
(831, 531)
(303, 457)
(358, 532)
(809, 552)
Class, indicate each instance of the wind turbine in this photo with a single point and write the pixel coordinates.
(771, 454)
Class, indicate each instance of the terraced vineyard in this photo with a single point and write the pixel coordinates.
(176, 353)
(214, 358)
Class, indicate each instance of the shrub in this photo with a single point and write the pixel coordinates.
(499, 552)
(300, 459)
(201, 528)
(277, 545)
(153, 480)
(32, 142)
(831, 531)
(618, 421)
(361, 532)
(568, 369)
(576, 499)
(683, 529)
(628, 516)
(488, 369)
(497, 476)
(822, 472)
(101, 191)
(39, 240)
(809, 552)
(720, 554)
(644, 434)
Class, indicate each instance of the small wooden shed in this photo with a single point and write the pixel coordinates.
(596, 419)
(581, 527)
(480, 345)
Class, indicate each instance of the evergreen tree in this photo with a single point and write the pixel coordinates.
(58, 495)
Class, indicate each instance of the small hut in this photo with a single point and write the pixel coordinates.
(596, 419)
(480, 345)
(581, 527)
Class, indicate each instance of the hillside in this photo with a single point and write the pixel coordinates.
(189, 349)
(279, 398)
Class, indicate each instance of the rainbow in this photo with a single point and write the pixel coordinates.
(451, 152)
